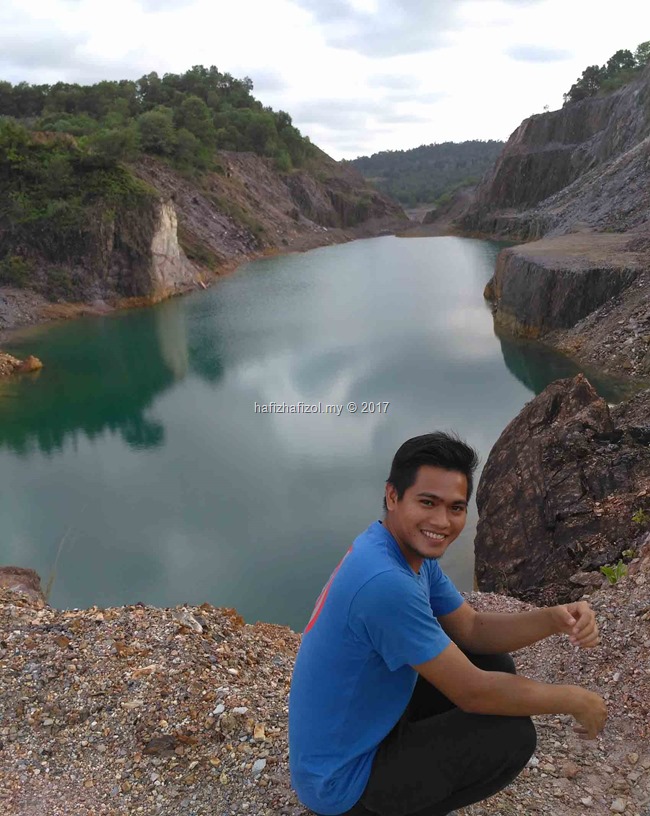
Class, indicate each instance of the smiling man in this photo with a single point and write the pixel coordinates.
(404, 700)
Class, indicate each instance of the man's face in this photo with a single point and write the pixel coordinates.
(430, 514)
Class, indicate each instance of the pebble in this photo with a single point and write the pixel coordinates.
(618, 806)
(258, 766)
(587, 801)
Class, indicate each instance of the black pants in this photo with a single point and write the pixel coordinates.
(439, 758)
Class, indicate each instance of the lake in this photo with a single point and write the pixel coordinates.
(149, 460)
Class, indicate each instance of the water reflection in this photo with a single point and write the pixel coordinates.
(536, 366)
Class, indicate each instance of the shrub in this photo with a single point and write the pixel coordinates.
(15, 271)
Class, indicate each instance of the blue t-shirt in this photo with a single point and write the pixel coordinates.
(353, 677)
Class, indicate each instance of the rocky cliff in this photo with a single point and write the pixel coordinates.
(576, 182)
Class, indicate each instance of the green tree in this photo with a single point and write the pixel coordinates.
(642, 54)
(115, 144)
(622, 60)
(195, 116)
(156, 130)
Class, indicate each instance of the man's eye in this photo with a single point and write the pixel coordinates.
(427, 503)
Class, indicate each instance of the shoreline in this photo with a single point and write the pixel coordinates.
(46, 313)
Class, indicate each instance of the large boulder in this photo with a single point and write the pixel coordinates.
(565, 490)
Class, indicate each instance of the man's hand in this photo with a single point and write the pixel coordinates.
(578, 621)
(590, 711)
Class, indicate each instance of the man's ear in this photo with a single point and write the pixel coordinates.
(391, 496)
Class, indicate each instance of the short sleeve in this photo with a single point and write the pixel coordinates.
(392, 614)
(443, 595)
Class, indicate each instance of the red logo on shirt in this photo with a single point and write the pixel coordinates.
(323, 595)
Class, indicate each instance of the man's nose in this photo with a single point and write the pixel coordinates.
(440, 517)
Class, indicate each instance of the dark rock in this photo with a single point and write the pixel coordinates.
(558, 494)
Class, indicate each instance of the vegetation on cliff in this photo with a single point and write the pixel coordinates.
(87, 172)
(430, 173)
(63, 204)
(620, 68)
(181, 117)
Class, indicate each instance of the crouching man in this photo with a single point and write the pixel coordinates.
(404, 700)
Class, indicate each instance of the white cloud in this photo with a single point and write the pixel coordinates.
(357, 76)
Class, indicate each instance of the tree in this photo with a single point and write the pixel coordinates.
(642, 54)
(194, 115)
(622, 60)
(156, 129)
(115, 144)
(588, 84)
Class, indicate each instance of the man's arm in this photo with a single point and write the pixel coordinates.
(497, 632)
(484, 692)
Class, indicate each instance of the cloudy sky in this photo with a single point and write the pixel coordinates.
(357, 76)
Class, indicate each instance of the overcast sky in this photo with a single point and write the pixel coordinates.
(357, 76)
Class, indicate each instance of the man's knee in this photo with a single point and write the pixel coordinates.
(523, 739)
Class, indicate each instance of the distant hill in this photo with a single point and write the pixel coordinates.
(425, 174)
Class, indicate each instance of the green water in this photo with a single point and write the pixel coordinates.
(139, 454)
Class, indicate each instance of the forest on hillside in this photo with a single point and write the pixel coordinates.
(431, 173)
(621, 68)
(182, 118)
(66, 152)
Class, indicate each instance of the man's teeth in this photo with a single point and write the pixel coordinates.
(434, 536)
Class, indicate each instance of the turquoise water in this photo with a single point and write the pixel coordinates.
(139, 456)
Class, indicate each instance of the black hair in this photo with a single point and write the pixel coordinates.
(438, 449)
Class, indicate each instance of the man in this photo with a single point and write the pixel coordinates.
(364, 736)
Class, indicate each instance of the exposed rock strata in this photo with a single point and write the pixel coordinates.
(565, 490)
(581, 166)
(556, 282)
(582, 172)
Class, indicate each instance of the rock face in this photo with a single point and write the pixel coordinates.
(249, 208)
(23, 581)
(554, 283)
(565, 490)
(170, 269)
(583, 164)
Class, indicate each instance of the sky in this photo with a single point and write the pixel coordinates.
(357, 76)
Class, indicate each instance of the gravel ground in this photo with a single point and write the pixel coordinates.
(184, 711)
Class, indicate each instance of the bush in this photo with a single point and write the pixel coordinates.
(15, 271)
(59, 284)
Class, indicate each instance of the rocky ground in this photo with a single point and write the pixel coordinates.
(184, 711)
